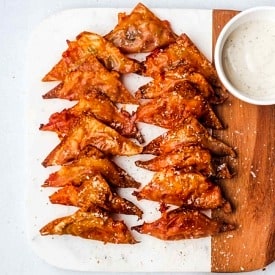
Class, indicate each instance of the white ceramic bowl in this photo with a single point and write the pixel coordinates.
(245, 56)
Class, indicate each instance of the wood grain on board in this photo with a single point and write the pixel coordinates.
(251, 131)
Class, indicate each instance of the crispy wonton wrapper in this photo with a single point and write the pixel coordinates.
(141, 31)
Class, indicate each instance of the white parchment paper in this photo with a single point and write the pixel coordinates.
(47, 44)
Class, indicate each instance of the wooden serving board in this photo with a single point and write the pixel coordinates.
(251, 130)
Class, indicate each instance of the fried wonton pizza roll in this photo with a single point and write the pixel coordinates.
(85, 168)
(188, 158)
(90, 77)
(172, 186)
(190, 133)
(94, 192)
(183, 79)
(102, 108)
(216, 95)
(90, 131)
(94, 225)
(85, 45)
(140, 31)
(183, 223)
(171, 110)
(183, 51)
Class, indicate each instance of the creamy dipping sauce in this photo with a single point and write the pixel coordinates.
(249, 58)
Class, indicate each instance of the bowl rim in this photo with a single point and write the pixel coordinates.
(225, 32)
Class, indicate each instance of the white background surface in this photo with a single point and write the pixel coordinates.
(17, 20)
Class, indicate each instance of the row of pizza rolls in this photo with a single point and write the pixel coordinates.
(183, 89)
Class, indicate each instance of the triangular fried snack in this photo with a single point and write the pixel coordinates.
(185, 52)
(190, 133)
(162, 85)
(94, 225)
(171, 110)
(85, 45)
(141, 31)
(102, 108)
(90, 131)
(176, 187)
(183, 223)
(87, 79)
(183, 79)
(84, 168)
(191, 158)
(94, 192)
